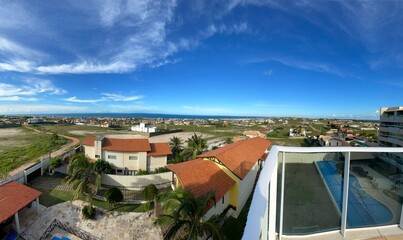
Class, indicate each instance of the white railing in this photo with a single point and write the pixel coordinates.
(261, 221)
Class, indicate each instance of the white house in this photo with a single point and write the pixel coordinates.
(229, 171)
(143, 127)
(127, 155)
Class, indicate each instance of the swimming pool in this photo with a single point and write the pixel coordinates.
(362, 208)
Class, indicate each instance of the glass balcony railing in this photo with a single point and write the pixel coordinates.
(306, 191)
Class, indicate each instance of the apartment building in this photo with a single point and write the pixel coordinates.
(391, 127)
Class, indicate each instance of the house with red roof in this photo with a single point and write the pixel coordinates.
(229, 171)
(127, 155)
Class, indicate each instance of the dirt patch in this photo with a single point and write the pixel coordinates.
(13, 137)
(183, 135)
(11, 132)
(85, 132)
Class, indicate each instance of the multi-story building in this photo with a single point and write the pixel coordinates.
(229, 171)
(143, 127)
(127, 155)
(391, 127)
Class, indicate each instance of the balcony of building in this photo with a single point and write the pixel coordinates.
(328, 193)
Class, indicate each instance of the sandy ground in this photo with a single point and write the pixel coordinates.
(183, 135)
(7, 138)
(11, 132)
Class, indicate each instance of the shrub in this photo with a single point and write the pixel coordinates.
(102, 166)
(55, 162)
(113, 196)
(161, 170)
(142, 172)
(88, 212)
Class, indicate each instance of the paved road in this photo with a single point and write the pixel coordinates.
(74, 141)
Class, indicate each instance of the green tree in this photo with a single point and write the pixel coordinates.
(102, 166)
(176, 145)
(149, 193)
(183, 215)
(228, 140)
(196, 144)
(55, 162)
(113, 195)
(82, 175)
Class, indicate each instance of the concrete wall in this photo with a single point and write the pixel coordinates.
(246, 187)
(154, 162)
(137, 182)
(218, 208)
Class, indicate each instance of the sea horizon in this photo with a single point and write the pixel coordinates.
(171, 116)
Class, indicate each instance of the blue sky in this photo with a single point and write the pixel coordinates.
(268, 58)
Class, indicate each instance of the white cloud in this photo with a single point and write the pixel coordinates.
(87, 67)
(45, 108)
(268, 72)
(17, 99)
(105, 97)
(121, 98)
(76, 100)
(25, 92)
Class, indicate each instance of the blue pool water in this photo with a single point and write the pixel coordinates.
(362, 209)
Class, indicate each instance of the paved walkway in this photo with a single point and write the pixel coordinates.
(50, 183)
(107, 225)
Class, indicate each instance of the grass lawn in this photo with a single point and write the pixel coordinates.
(53, 197)
(40, 144)
(289, 142)
(233, 228)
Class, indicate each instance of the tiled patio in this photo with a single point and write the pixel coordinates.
(108, 225)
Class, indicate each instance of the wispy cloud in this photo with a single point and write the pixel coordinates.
(105, 97)
(28, 90)
(41, 108)
(121, 98)
(77, 100)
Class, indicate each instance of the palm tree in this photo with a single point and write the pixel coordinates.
(176, 145)
(86, 181)
(197, 144)
(183, 215)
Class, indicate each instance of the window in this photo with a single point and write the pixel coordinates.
(111, 156)
(223, 199)
(97, 156)
(133, 157)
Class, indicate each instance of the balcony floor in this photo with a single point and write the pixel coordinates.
(382, 233)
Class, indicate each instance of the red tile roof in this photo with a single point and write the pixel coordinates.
(89, 141)
(126, 145)
(201, 176)
(159, 149)
(15, 196)
(241, 156)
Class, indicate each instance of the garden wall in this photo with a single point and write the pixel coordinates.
(138, 182)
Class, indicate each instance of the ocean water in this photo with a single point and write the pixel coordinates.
(142, 115)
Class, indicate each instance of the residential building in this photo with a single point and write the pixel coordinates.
(229, 171)
(298, 132)
(253, 134)
(143, 127)
(127, 155)
(391, 127)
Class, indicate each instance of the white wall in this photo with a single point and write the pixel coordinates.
(246, 187)
(154, 162)
(89, 151)
(122, 160)
(218, 208)
(137, 182)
